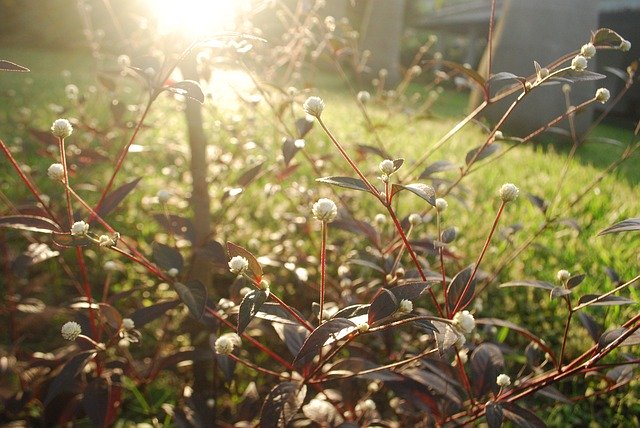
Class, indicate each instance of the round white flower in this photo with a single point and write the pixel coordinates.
(163, 196)
(387, 167)
(363, 327)
(464, 322)
(124, 61)
(61, 128)
(503, 380)
(415, 219)
(79, 228)
(380, 219)
(173, 272)
(625, 45)
(71, 330)
(56, 171)
(238, 264)
(602, 95)
(498, 135)
(71, 91)
(415, 70)
(463, 354)
(509, 192)
(128, 324)
(405, 306)
(110, 266)
(588, 50)
(299, 143)
(105, 241)
(579, 63)
(313, 106)
(225, 344)
(325, 210)
(563, 275)
(364, 97)
(441, 205)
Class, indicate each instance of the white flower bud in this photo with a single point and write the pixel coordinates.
(225, 344)
(460, 341)
(579, 63)
(363, 327)
(380, 219)
(509, 192)
(110, 266)
(364, 97)
(503, 380)
(463, 354)
(325, 210)
(387, 167)
(163, 196)
(124, 61)
(415, 70)
(79, 228)
(588, 50)
(441, 205)
(238, 265)
(128, 324)
(602, 95)
(563, 275)
(61, 128)
(405, 306)
(105, 241)
(313, 106)
(71, 330)
(543, 73)
(464, 322)
(71, 91)
(415, 219)
(56, 171)
(173, 272)
(625, 45)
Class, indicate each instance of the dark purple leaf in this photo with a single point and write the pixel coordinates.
(194, 295)
(466, 71)
(522, 418)
(449, 235)
(147, 314)
(250, 305)
(352, 311)
(485, 152)
(397, 163)
(110, 315)
(621, 374)
(273, 312)
(559, 292)
(289, 150)
(66, 378)
(540, 203)
(384, 304)
(176, 225)
(293, 336)
(327, 333)
(248, 176)
(95, 401)
(575, 280)
(528, 283)
(605, 301)
(487, 363)
(613, 275)
(438, 166)
(593, 328)
(68, 240)
(553, 393)
(375, 150)
(424, 191)
(188, 88)
(281, 404)
(623, 226)
(346, 182)
(612, 335)
(571, 75)
(167, 257)
(303, 126)
(436, 385)
(11, 66)
(29, 223)
(494, 414)
(254, 266)
(359, 227)
(457, 286)
(504, 75)
(114, 198)
(410, 291)
(368, 264)
(606, 37)
(354, 365)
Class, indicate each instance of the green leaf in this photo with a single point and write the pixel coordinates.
(194, 295)
(346, 182)
(424, 191)
(249, 307)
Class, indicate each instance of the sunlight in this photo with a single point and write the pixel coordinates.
(197, 18)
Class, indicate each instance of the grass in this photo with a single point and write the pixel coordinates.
(533, 167)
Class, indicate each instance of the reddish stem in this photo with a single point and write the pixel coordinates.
(323, 268)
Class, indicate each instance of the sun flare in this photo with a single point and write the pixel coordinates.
(197, 18)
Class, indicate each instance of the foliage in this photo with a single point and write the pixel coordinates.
(400, 311)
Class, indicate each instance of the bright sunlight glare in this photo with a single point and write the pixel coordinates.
(197, 18)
